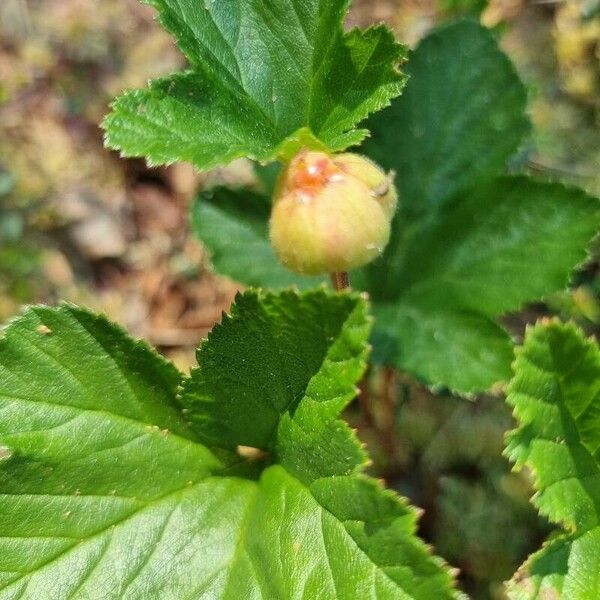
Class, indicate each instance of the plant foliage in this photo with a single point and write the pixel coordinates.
(265, 78)
(122, 478)
(556, 398)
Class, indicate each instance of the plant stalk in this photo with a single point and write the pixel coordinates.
(340, 281)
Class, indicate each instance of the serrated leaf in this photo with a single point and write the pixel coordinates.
(466, 246)
(555, 393)
(454, 273)
(459, 121)
(106, 492)
(286, 355)
(265, 78)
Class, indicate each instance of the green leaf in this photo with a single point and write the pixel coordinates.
(460, 119)
(555, 393)
(466, 247)
(282, 344)
(486, 253)
(233, 225)
(450, 346)
(265, 78)
(106, 491)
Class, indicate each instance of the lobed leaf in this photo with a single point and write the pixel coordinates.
(278, 349)
(266, 78)
(108, 490)
(555, 393)
(487, 252)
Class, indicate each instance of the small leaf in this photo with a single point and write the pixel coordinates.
(233, 225)
(106, 492)
(265, 78)
(555, 393)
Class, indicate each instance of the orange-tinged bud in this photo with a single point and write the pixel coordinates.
(332, 213)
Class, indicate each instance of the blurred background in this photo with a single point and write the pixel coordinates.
(78, 223)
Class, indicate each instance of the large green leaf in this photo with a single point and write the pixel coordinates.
(455, 253)
(487, 252)
(267, 77)
(460, 120)
(467, 246)
(107, 492)
(556, 398)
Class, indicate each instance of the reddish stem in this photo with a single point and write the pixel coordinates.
(340, 281)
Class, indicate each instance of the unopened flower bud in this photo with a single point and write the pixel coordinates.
(332, 213)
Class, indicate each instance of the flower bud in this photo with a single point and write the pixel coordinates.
(332, 213)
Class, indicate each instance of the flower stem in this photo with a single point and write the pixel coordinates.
(340, 281)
